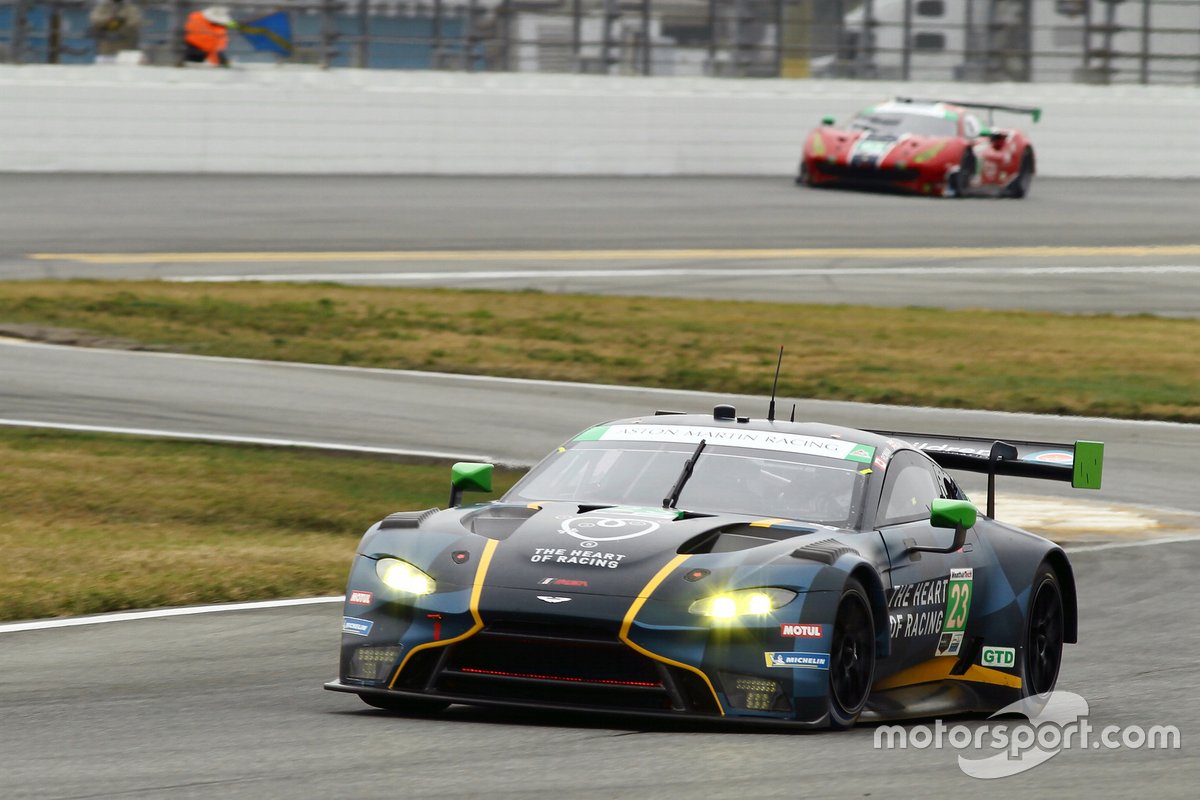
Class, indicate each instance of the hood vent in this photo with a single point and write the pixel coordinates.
(497, 521)
(732, 538)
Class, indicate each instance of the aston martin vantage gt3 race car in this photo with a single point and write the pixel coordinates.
(722, 568)
(931, 147)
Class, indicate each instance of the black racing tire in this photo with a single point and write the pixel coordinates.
(851, 656)
(1045, 625)
(1021, 184)
(404, 705)
(959, 182)
(805, 177)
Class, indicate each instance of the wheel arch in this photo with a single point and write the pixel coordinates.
(870, 580)
(1066, 582)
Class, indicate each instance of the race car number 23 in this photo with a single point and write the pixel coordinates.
(958, 605)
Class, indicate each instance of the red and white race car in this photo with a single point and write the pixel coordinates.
(934, 147)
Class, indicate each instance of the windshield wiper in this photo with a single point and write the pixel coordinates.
(670, 500)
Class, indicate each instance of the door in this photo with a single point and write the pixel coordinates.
(929, 594)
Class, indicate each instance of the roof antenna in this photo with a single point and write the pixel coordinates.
(774, 386)
(793, 419)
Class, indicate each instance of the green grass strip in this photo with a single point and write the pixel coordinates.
(1120, 366)
(96, 523)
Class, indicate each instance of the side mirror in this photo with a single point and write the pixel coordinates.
(984, 130)
(956, 514)
(467, 476)
(827, 120)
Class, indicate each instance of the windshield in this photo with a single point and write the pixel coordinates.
(896, 124)
(725, 479)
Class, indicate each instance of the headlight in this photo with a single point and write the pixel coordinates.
(743, 602)
(403, 577)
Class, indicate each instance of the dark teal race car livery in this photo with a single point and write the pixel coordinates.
(717, 567)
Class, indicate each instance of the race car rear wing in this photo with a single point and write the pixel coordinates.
(1032, 111)
(1081, 464)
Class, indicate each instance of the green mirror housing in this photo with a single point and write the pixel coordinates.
(468, 476)
(956, 514)
(984, 130)
(827, 120)
(952, 514)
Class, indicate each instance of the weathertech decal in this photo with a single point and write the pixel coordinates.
(802, 631)
(788, 660)
(360, 598)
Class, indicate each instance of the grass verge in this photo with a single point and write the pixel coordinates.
(96, 523)
(1138, 366)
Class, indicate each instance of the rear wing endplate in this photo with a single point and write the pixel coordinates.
(1080, 464)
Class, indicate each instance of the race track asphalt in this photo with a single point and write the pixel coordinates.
(488, 222)
(231, 705)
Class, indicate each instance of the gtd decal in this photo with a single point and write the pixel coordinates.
(802, 631)
(1003, 657)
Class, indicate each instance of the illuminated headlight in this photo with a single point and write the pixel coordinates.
(742, 603)
(403, 577)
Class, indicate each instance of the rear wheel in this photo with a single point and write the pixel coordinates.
(1044, 627)
(851, 656)
(404, 705)
(1024, 181)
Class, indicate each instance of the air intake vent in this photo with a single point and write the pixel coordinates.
(826, 551)
(406, 519)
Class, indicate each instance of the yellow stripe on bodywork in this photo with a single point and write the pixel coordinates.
(485, 561)
(766, 523)
(642, 597)
(938, 669)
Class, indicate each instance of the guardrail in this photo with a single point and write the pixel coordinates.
(1088, 41)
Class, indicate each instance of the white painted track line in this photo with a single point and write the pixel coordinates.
(683, 272)
(256, 440)
(159, 613)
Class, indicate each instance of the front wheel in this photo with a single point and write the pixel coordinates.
(959, 181)
(1044, 628)
(851, 656)
(805, 176)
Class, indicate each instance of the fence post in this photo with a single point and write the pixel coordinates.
(1145, 62)
(17, 40)
(328, 34)
(646, 37)
(361, 53)
(906, 62)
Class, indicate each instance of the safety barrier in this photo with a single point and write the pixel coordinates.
(271, 120)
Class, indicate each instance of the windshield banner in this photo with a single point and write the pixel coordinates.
(732, 437)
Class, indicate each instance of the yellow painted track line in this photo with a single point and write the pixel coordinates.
(259, 257)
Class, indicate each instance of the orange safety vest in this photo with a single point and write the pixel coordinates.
(206, 36)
